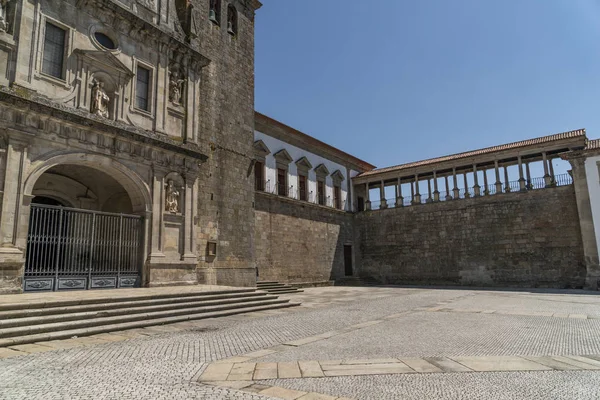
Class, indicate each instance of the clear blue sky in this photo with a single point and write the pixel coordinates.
(393, 81)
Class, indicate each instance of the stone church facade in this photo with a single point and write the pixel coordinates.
(140, 108)
(131, 156)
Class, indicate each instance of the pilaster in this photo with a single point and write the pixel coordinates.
(586, 222)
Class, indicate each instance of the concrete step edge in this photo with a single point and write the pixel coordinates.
(88, 323)
(32, 312)
(115, 328)
(61, 303)
(74, 316)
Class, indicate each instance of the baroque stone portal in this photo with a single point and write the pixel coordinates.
(100, 99)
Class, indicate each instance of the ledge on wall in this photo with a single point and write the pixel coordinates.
(300, 202)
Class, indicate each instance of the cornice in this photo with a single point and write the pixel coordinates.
(29, 102)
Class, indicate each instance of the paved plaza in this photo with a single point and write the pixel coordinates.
(343, 342)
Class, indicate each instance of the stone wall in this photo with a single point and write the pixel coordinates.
(226, 186)
(299, 242)
(527, 239)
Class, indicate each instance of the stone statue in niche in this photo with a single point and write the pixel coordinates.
(172, 198)
(176, 85)
(3, 15)
(100, 100)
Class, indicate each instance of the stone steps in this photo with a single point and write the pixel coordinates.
(276, 287)
(55, 320)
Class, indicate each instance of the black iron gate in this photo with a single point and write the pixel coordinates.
(79, 249)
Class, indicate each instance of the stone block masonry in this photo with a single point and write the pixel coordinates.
(299, 242)
(529, 239)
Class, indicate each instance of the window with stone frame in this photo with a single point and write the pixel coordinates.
(303, 166)
(232, 20)
(283, 160)
(322, 172)
(53, 58)
(282, 182)
(259, 176)
(261, 151)
(302, 187)
(337, 177)
(142, 88)
(321, 191)
(214, 11)
(337, 197)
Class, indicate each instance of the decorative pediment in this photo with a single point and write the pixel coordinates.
(283, 156)
(260, 149)
(321, 170)
(337, 176)
(304, 164)
(106, 59)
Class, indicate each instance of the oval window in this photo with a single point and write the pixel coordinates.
(105, 41)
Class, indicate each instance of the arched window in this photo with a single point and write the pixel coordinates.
(232, 20)
(214, 13)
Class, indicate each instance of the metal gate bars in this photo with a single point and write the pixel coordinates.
(79, 249)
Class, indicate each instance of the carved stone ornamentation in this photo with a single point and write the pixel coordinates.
(3, 15)
(100, 100)
(172, 198)
(176, 87)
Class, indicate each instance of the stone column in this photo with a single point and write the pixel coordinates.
(162, 89)
(551, 168)
(448, 195)
(498, 182)
(399, 198)
(429, 198)
(476, 187)
(467, 194)
(11, 257)
(547, 177)
(506, 181)
(189, 252)
(528, 172)
(412, 193)
(158, 204)
(436, 192)
(486, 190)
(368, 202)
(586, 222)
(521, 179)
(455, 191)
(382, 196)
(417, 197)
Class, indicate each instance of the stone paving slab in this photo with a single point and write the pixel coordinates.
(500, 363)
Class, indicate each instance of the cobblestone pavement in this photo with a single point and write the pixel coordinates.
(167, 362)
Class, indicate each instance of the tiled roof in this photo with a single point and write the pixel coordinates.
(309, 140)
(487, 150)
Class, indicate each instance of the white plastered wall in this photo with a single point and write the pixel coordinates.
(297, 153)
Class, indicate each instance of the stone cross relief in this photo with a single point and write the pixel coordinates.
(3, 15)
(172, 198)
(176, 86)
(100, 99)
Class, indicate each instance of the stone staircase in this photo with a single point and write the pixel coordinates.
(356, 281)
(274, 287)
(30, 322)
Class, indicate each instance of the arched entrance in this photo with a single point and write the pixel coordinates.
(86, 228)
